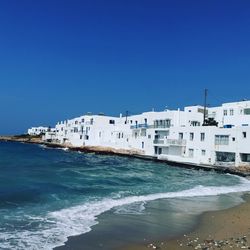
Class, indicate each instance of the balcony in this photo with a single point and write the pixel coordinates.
(139, 126)
(159, 141)
(170, 142)
(160, 126)
(175, 142)
(146, 126)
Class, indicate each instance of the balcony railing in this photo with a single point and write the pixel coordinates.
(159, 141)
(170, 142)
(175, 142)
(160, 126)
(138, 126)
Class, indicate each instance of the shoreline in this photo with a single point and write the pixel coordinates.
(222, 229)
(227, 228)
(243, 172)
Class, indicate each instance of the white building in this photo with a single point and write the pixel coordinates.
(38, 130)
(172, 135)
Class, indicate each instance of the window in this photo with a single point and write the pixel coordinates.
(202, 136)
(191, 153)
(203, 152)
(142, 144)
(244, 134)
(231, 112)
(111, 121)
(245, 157)
(195, 123)
(80, 137)
(191, 136)
(221, 139)
(180, 136)
(82, 129)
(233, 138)
(247, 111)
(225, 112)
(149, 136)
(225, 156)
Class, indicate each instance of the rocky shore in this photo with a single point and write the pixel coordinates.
(241, 171)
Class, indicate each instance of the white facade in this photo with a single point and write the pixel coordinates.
(172, 135)
(37, 130)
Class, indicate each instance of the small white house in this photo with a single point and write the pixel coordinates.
(38, 130)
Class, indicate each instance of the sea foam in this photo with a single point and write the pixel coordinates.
(56, 226)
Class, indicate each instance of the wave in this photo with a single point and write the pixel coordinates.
(58, 225)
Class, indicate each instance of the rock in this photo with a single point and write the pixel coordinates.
(198, 247)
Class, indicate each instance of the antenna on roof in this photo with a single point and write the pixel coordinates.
(205, 105)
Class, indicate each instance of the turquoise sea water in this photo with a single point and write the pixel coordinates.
(47, 195)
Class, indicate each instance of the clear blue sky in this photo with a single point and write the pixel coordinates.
(61, 59)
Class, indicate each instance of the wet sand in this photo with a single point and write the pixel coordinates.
(225, 229)
(164, 224)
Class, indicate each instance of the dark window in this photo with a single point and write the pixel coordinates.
(191, 136)
(202, 136)
(244, 134)
(180, 136)
(111, 121)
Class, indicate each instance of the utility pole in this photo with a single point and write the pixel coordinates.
(126, 117)
(205, 106)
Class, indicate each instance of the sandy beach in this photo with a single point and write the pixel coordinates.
(225, 229)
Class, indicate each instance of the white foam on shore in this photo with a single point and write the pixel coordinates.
(59, 225)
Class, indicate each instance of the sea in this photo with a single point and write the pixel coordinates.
(48, 195)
